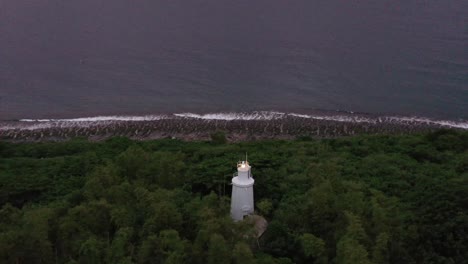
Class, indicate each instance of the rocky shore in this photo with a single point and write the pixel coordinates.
(201, 127)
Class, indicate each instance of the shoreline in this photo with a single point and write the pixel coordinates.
(237, 126)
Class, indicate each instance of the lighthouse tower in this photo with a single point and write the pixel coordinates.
(242, 200)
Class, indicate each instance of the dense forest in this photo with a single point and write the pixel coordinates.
(362, 199)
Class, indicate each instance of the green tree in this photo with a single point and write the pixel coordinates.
(165, 215)
(312, 246)
(150, 251)
(218, 251)
(100, 181)
(380, 252)
(242, 254)
(200, 246)
(265, 207)
(121, 247)
(165, 169)
(173, 248)
(132, 161)
(350, 248)
(92, 251)
(350, 251)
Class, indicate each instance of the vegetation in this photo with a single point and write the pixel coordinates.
(365, 199)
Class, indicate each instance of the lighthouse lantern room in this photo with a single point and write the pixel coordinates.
(242, 200)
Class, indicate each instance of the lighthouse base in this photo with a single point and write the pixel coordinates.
(242, 202)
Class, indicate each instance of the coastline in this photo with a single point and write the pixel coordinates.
(237, 126)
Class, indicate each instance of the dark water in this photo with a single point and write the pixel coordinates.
(102, 57)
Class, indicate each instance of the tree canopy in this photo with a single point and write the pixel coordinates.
(363, 199)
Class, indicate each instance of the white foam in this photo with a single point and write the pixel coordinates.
(27, 126)
(338, 118)
(36, 120)
(446, 123)
(300, 115)
(383, 119)
(263, 115)
(37, 124)
(101, 119)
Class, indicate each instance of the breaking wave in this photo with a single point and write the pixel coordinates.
(100, 119)
(262, 115)
(35, 124)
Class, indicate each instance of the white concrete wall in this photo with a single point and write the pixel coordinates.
(242, 199)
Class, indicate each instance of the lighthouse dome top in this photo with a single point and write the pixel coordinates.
(243, 177)
(243, 166)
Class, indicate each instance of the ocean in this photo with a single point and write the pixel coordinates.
(80, 59)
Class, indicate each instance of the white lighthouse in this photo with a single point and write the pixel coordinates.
(242, 200)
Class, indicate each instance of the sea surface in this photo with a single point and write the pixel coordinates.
(86, 58)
